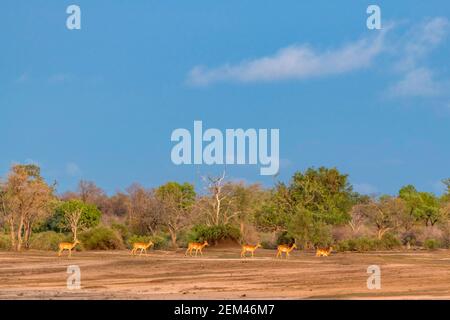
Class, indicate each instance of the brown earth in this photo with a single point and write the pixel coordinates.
(220, 274)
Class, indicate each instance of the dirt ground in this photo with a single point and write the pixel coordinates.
(221, 274)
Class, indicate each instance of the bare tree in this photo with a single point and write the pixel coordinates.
(357, 217)
(73, 220)
(384, 214)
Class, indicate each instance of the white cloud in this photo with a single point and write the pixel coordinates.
(365, 188)
(421, 40)
(418, 82)
(294, 62)
(72, 169)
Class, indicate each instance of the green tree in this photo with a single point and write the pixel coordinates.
(176, 201)
(25, 198)
(423, 206)
(74, 215)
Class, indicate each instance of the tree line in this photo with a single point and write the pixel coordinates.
(316, 208)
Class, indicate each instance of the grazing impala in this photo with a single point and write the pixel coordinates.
(286, 249)
(249, 248)
(141, 246)
(67, 246)
(197, 247)
(324, 252)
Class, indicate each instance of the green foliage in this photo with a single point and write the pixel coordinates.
(182, 194)
(160, 241)
(432, 244)
(214, 234)
(48, 240)
(362, 244)
(388, 242)
(122, 230)
(90, 216)
(285, 238)
(325, 192)
(424, 206)
(101, 238)
(5, 241)
(321, 235)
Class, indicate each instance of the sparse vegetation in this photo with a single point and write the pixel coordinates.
(316, 209)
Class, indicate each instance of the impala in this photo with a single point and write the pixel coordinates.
(141, 246)
(324, 252)
(249, 248)
(286, 249)
(197, 247)
(67, 246)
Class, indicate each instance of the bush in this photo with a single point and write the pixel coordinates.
(160, 242)
(101, 238)
(388, 242)
(360, 244)
(214, 234)
(48, 240)
(431, 244)
(268, 240)
(5, 242)
(285, 238)
(409, 238)
(122, 230)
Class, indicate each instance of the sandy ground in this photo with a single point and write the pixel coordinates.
(220, 274)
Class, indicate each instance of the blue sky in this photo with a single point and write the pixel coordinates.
(100, 103)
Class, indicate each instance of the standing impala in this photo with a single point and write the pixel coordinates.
(249, 248)
(197, 247)
(286, 249)
(141, 246)
(67, 246)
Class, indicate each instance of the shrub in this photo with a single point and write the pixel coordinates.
(360, 244)
(122, 230)
(268, 240)
(321, 235)
(48, 240)
(5, 242)
(160, 242)
(431, 244)
(388, 242)
(409, 238)
(285, 238)
(101, 238)
(214, 234)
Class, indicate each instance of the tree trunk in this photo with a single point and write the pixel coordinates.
(173, 236)
(13, 234)
(27, 234)
(74, 231)
(19, 235)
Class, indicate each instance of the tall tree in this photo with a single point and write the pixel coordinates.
(177, 201)
(75, 215)
(25, 198)
(384, 214)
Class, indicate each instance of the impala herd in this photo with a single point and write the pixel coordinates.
(198, 247)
